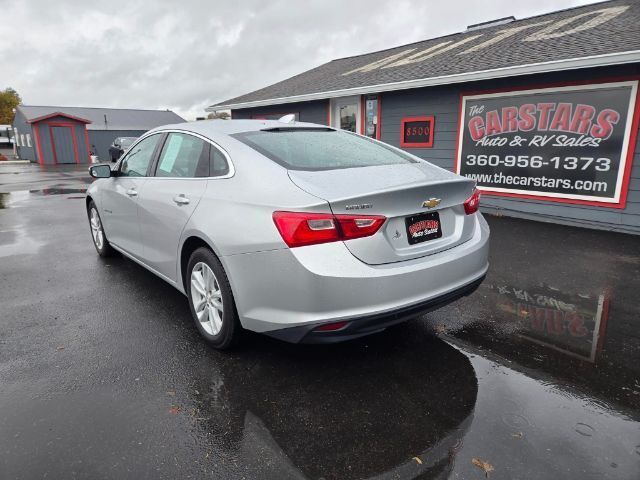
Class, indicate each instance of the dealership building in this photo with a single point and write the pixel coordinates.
(541, 112)
(53, 135)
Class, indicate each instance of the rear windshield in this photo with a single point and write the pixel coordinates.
(320, 149)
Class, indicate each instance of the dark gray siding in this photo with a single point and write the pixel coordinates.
(20, 124)
(101, 140)
(313, 112)
(46, 147)
(444, 103)
(65, 148)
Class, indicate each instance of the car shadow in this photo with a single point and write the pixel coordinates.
(396, 403)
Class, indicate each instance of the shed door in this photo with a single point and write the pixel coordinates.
(63, 144)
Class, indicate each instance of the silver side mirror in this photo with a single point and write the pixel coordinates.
(100, 171)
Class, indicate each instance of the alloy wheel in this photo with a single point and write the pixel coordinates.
(96, 229)
(207, 298)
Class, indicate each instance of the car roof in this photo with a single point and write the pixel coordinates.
(216, 128)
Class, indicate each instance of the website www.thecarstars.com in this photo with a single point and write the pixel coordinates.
(499, 178)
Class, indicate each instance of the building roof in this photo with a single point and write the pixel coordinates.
(58, 114)
(606, 33)
(116, 118)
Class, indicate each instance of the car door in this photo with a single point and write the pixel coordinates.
(170, 197)
(120, 197)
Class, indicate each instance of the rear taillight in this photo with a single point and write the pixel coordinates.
(299, 229)
(358, 226)
(472, 203)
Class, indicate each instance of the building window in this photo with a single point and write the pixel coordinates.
(371, 116)
(16, 137)
(28, 140)
(22, 143)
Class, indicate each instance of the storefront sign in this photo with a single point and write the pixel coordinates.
(417, 132)
(568, 144)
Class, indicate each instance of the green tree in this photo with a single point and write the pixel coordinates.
(9, 99)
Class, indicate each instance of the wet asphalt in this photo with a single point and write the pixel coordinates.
(103, 374)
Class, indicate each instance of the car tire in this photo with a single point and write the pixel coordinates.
(211, 300)
(103, 247)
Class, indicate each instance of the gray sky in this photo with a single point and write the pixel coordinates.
(187, 55)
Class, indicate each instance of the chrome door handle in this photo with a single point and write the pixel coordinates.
(181, 199)
(132, 192)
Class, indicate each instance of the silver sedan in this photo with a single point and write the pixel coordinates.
(295, 230)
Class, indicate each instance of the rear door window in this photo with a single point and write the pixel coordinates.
(183, 156)
(320, 149)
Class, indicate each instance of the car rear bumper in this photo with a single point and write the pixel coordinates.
(309, 286)
(366, 325)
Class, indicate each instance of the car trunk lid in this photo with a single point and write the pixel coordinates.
(398, 192)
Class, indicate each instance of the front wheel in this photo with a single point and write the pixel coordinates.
(211, 300)
(103, 247)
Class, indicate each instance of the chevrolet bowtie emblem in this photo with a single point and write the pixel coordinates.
(431, 203)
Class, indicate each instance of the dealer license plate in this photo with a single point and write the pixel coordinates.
(423, 227)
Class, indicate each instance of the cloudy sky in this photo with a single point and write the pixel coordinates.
(189, 54)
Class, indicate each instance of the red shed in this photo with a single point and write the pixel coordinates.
(61, 138)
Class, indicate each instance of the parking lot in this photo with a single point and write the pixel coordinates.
(103, 374)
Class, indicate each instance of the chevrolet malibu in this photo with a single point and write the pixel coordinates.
(296, 230)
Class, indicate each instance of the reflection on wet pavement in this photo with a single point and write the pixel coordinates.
(527, 427)
(40, 177)
(311, 413)
(560, 305)
(573, 311)
(57, 191)
(537, 374)
(7, 198)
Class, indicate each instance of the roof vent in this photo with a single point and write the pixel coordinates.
(290, 118)
(490, 23)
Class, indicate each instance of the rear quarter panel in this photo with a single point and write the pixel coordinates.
(235, 214)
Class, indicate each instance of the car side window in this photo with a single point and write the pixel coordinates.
(218, 165)
(183, 156)
(136, 162)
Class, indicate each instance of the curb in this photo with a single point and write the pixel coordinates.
(15, 162)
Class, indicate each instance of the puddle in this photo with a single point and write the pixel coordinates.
(560, 303)
(543, 430)
(17, 241)
(8, 198)
(57, 191)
